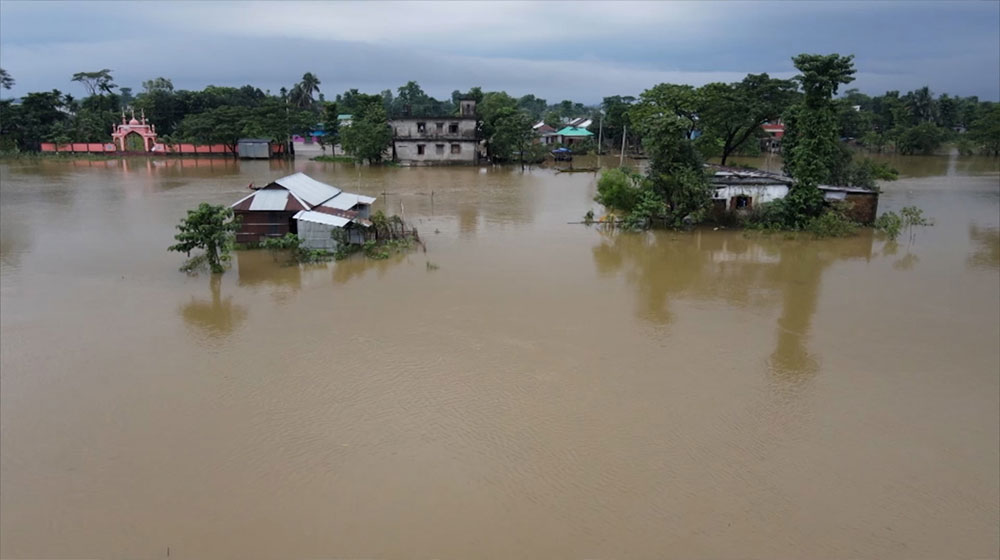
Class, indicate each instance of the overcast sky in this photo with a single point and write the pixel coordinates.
(556, 50)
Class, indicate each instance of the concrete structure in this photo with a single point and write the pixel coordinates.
(306, 207)
(135, 135)
(740, 190)
(437, 140)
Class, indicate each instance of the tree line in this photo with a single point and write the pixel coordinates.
(722, 119)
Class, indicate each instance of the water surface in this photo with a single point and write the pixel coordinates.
(548, 391)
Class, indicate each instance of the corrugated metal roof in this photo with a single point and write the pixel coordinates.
(574, 131)
(321, 218)
(269, 199)
(311, 191)
(346, 201)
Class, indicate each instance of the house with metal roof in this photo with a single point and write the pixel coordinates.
(740, 190)
(304, 206)
(572, 135)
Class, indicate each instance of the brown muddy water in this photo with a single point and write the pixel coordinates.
(549, 391)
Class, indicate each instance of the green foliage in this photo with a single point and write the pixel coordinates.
(96, 82)
(6, 81)
(211, 228)
(831, 223)
(619, 189)
(730, 115)
(923, 138)
(368, 136)
(290, 245)
(890, 224)
(649, 207)
(985, 130)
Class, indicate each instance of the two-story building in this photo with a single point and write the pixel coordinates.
(437, 140)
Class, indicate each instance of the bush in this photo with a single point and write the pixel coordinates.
(831, 224)
(890, 224)
(619, 189)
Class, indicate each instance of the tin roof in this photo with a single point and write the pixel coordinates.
(321, 218)
(346, 201)
(725, 176)
(301, 192)
(311, 191)
(574, 131)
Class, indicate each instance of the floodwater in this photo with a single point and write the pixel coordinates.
(549, 390)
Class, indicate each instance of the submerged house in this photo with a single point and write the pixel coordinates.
(306, 207)
(740, 190)
(437, 140)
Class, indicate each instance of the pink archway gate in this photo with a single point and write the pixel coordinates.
(145, 131)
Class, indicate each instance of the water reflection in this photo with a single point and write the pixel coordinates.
(738, 270)
(216, 318)
(259, 268)
(986, 247)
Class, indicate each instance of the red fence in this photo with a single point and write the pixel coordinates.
(158, 149)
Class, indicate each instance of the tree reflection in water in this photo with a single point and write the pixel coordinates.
(986, 253)
(743, 271)
(216, 318)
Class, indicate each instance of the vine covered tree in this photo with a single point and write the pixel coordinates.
(211, 228)
(810, 145)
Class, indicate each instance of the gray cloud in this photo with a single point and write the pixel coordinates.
(580, 51)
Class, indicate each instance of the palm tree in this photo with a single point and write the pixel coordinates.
(303, 97)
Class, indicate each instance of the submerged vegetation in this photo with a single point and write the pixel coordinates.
(210, 228)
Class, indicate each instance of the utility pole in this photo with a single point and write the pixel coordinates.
(621, 158)
(600, 135)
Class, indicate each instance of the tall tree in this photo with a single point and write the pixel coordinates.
(368, 136)
(734, 113)
(301, 94)
(96, 82)
(810, 145)
(6, 81)
(158, 84)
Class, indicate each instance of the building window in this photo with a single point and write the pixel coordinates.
(421, 127)
(453, 128)
(420, 149)
(439, 126)
(439, 149)
(456, 148)
(742, 201)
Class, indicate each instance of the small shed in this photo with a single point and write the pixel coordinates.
(254, 148)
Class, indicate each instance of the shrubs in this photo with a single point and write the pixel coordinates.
(892, 224)
(831, 223)
(291, 245)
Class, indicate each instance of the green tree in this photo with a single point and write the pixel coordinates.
(368, 135)
(158, 84)
(679, 101)
(96, 82)
(211, 228)
(301, 94)
(985, 130)
(511, 134)
(810, 145)
(221, 125)
(6, 81)
(619, 189)
(734, 113)
(923, 138)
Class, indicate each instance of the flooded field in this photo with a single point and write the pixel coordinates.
(548, 391)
